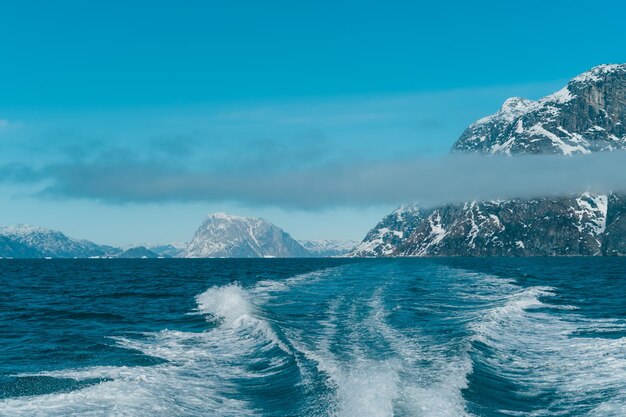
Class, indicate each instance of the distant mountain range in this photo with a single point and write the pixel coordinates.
(168, 250)
(23, 241)
(220, 236)
(328, 247)
(139, 252)
(588, 115)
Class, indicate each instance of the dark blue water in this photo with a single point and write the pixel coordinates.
(269, 337)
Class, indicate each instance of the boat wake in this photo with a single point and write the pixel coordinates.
(343, 342)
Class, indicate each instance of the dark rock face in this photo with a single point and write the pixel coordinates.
(614, 238)
(589, 115)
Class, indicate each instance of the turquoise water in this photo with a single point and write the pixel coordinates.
(325, 337)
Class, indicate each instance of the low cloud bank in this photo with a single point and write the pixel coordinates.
(434, 181)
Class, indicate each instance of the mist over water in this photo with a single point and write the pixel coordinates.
(356, 182)
(396, 337)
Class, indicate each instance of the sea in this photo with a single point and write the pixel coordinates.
(313, 337)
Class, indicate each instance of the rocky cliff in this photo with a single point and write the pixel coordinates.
(588, 115)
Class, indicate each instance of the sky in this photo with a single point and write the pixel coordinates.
(244, 107)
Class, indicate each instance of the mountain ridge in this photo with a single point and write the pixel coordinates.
(323, 248)
(225, 235)
(587, 115)
(26, 241)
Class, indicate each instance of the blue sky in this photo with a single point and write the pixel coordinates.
(152, 88)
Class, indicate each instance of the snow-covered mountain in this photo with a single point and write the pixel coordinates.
(537, 227)
(323, 248)
(24, 241)
(226, 236)
(165, 250)
(138, 252)
(221, 235)
(390, 232)
(588, 115)
(168, 250)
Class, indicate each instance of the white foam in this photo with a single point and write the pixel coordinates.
(228, 302)
(265, 290)
(541, 351)
(365, 383)
(436, 391)
(200, 375)
(361, 387)
(160, 390)
(232, 304)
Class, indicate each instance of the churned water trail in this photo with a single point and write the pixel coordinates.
(319, 338)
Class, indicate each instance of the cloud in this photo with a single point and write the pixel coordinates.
(19, 173)
(357, 183)
(342, 152)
